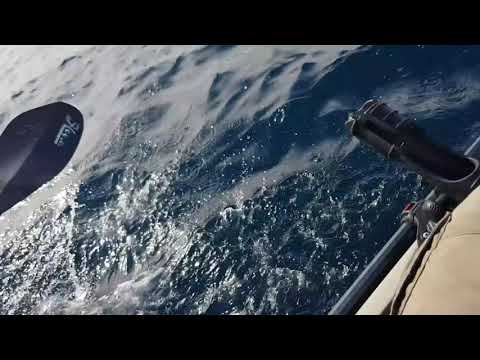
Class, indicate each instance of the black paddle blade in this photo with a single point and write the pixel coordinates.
(34, 148)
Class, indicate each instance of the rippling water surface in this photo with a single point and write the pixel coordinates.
(218, 179)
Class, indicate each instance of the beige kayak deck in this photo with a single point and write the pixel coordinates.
(448, 282)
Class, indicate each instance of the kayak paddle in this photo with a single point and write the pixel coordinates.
(34, 148)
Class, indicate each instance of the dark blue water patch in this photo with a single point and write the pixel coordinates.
(99, 189)
(306, 79)
(269, 138)
(272, 139)
(219, 84)
(201, 167)
(274, 74)
(229, 242)
(457, 123)
(363, 71)
(242, 87)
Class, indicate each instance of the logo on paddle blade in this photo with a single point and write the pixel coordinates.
(68, 129)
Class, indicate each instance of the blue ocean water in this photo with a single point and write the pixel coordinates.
(219, 179)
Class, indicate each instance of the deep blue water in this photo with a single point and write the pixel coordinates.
(221, 179)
